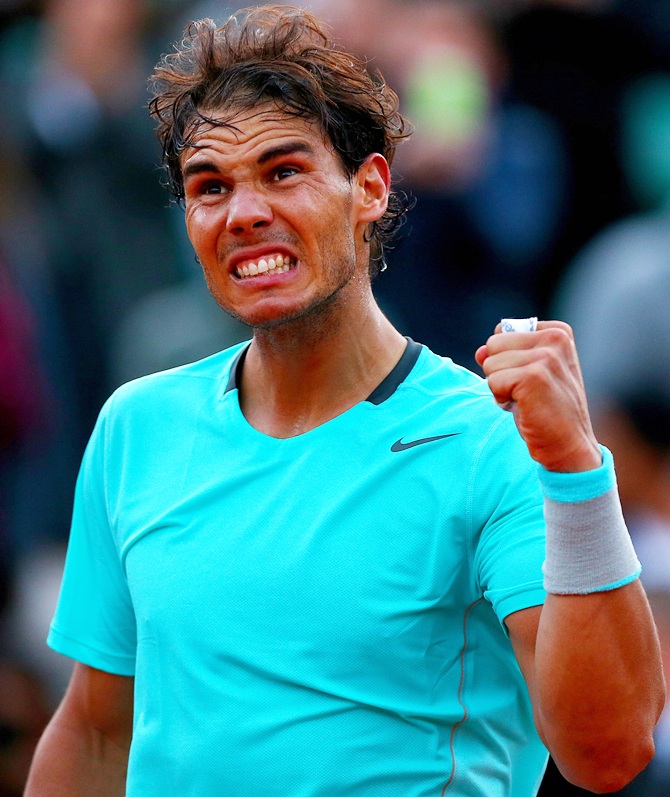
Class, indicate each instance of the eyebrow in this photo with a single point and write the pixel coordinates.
(291, 147)
(285, 149)
(197, 168)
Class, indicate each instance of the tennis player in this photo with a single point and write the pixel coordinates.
(326, 562)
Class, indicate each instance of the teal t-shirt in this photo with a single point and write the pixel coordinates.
(318, 616)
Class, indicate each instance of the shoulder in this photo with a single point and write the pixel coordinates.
(166, 402)
(203, 377)
(440, 385)
(435, 373)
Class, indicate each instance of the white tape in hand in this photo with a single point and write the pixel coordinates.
(517, 325)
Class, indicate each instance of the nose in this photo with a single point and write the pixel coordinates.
(247, 210)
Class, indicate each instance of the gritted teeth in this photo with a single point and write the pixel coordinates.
(271, 265)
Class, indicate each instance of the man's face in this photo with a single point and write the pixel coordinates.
(275, 221)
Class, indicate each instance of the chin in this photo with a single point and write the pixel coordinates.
(275, 312)
(266, 318)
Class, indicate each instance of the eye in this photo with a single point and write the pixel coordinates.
(213, 187)
(283, 172)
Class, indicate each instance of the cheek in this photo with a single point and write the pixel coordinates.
(202, 226)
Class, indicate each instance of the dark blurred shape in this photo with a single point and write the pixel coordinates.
(24, 713)
(23, 407)
(575, 65)
(555, 785)
(22, 385)
(649, 412)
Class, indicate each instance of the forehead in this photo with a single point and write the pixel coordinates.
(252, 132)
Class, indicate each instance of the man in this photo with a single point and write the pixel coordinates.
(311, 565)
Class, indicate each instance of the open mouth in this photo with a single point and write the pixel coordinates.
(275, 264)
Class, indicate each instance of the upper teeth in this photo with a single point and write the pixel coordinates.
(271, 265)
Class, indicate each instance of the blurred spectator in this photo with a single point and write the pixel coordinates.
(616, 294)
(145, 341)
(575, 62)
(653, 17)
(23, 410)
(645, 144)
(22, 388)
(80, 74)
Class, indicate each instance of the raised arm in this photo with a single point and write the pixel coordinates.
(590, 655)
(84, 750)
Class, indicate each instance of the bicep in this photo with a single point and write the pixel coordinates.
(84, 749)
(523, 627)
(100, 701)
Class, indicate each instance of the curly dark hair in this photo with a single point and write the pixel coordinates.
(285, 55)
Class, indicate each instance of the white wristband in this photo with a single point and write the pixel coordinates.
(588, 545)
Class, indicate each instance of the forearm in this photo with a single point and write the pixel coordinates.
(76, 762)
(596, 678)
(598, 672)
(598, 683)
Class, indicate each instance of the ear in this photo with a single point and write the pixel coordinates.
(373, 181)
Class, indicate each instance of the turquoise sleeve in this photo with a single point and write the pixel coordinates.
(511, 541)
(94, 621)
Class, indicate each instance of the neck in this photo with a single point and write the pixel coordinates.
(299, 375)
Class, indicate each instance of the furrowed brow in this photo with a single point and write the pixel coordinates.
(192, 169)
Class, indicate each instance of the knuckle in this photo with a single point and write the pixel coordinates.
(557, 336)
(560, 325)
(540, 373)
(537, 371)
(552, 358)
